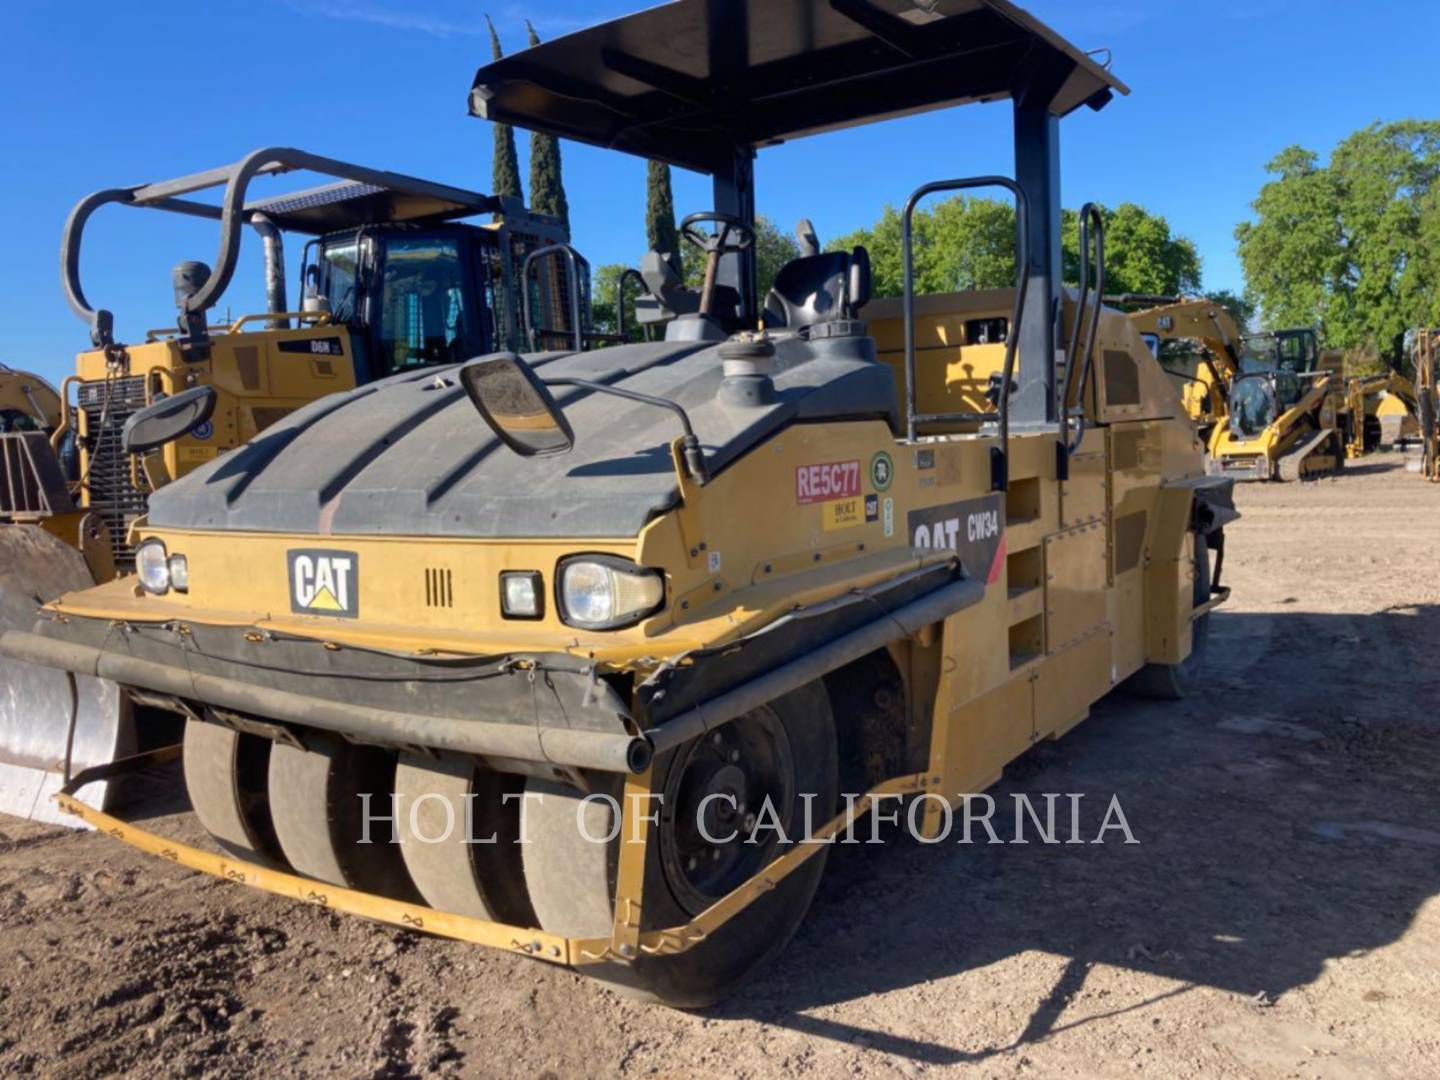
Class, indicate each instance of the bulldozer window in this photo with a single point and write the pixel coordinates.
(338, 266)
(423, 318)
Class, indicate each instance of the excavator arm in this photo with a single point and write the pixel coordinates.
(1201, 321)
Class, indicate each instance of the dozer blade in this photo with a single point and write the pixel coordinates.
(37, 704)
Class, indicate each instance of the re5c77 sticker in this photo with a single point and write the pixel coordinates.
(975, 529)
(827, 483)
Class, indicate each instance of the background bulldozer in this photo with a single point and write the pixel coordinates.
(393, 280)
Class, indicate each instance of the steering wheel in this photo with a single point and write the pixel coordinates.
(730, 235)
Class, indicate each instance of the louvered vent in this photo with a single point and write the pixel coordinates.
(439, 589)
(108, 403)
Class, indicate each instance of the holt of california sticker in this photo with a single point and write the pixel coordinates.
(843, 514)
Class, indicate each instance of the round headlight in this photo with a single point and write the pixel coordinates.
(601, 592)
(153, 567)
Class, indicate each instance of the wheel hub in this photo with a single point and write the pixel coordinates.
(724, 794)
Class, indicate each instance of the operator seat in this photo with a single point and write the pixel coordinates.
(819, 288)
(668, 300)
(666, 288)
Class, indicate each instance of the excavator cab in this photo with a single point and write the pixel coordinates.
(1258, 398)
(1296, 351)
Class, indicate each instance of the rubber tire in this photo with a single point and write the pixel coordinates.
(226, 776)
(316, 804)
(572, 882)
(482, 880)
(1174, 682)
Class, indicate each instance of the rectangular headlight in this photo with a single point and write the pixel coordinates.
(522, 594)
(179, 573)
(602, 592)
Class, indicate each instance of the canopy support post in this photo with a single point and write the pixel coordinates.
(1037, 171)
(735, 195)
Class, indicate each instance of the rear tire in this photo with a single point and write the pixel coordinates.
(785, 750)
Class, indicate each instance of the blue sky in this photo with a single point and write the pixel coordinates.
(97, 94)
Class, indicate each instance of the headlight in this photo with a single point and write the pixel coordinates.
(179, 573)
(153, 567)
(601, 592)
(522, 594)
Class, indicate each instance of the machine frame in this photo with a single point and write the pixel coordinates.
(1090, 520)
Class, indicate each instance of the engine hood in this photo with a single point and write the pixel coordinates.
(410, 456)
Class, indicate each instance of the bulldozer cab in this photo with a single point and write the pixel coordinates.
(411, 298)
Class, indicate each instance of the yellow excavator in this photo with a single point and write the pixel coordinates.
(1173, 327)
(394, 280)
(27, 402)
(1283, 411)
(1381, 411)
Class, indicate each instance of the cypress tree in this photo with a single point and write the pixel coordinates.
(660, 231)
(547, 188)
(505, 179)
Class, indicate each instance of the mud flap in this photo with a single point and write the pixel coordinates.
(37, 704)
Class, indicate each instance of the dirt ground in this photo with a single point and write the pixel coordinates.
(1279, 916)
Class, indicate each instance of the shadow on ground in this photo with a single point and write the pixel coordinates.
(1285, 816)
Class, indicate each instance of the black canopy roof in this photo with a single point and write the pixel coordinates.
(363, 195)
(694, 81)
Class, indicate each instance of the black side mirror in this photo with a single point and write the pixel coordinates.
(166, 420)
(518, 407)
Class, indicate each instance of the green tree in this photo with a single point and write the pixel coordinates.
(547, 188)
(1142, 255)
(605, 281)
(969, 243)
(1353, 245)
(505, 171)
(1291, 252)
(660, 231)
